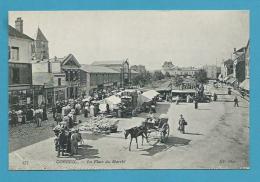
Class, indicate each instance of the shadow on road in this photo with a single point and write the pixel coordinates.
(86, 151)
(187, 133)
(204, 109)
(160, 147)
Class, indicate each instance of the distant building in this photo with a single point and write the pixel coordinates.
(212, 71)
(180, 71)
(246, 83)
(41, 48)
(121, 66)
(138, 68)
(19, 62)
(239, 64)
(48, 74)
(227, 68)
(101, 77)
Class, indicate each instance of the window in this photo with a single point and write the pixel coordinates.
(9, 53)
(49, 67)
(15, 53)
(16, 75)
(59, 81)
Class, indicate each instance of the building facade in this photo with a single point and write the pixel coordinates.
(49, 76)
(138, 68)
(239, 64)
(181, 71)
(121, 66)
(227, 68)
(20, 45)
(101, 78)
(212, 71)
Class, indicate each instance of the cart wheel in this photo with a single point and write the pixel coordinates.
(165, 133)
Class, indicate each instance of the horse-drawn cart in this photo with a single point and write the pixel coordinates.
(160, 127)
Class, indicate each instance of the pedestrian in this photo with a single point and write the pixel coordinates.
(44, 112)
(20, 116)
(62, 140)
(196, 104)
(182, 124)
(236, 102)
(86, 110)
(30, 114)
(107, 108)
(74, 142)
(77, 108)
(215, 96)
(58, 108)
(177, 99)
(38, 116)
(54, 112)
(91, 110)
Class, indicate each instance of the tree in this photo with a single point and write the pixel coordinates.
(142, 78)
(201, 76)
(177, 81)
(158, 75)
(167, 74)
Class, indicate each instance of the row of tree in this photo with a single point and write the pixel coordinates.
(147, 77)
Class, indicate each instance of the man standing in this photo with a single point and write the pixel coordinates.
(182, 124)
(62, 142)
(74, 142)
(54, 112)
(236, 102)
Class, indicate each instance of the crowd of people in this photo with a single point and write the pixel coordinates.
(27, 114)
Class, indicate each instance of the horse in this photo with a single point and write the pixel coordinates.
(136, 132)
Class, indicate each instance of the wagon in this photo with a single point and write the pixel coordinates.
(160, 127)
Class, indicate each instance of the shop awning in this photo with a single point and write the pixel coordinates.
(184, 91)
(113, 100)
(147, 96)
(150, 94)
(245, 84)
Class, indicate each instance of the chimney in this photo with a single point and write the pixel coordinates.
(235, 49)
(19, 24)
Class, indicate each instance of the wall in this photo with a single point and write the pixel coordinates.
(25, 48)
(40, 67)
(56, 77)
(56, 67)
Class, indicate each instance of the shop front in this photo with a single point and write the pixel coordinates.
(20, 97)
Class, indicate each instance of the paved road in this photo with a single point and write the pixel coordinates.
(217, 137)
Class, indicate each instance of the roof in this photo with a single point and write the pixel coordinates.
(68, 58)
(97, 69)
(15, 33)
(40, 35)
(109, 62)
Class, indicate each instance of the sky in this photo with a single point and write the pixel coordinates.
(187, 38)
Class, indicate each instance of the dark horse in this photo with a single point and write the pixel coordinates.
(136, 132)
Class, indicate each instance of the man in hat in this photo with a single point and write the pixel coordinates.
(182, 124)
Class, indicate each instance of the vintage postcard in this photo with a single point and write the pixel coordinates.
(128, 89)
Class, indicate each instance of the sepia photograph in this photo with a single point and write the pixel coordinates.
(128, 89)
